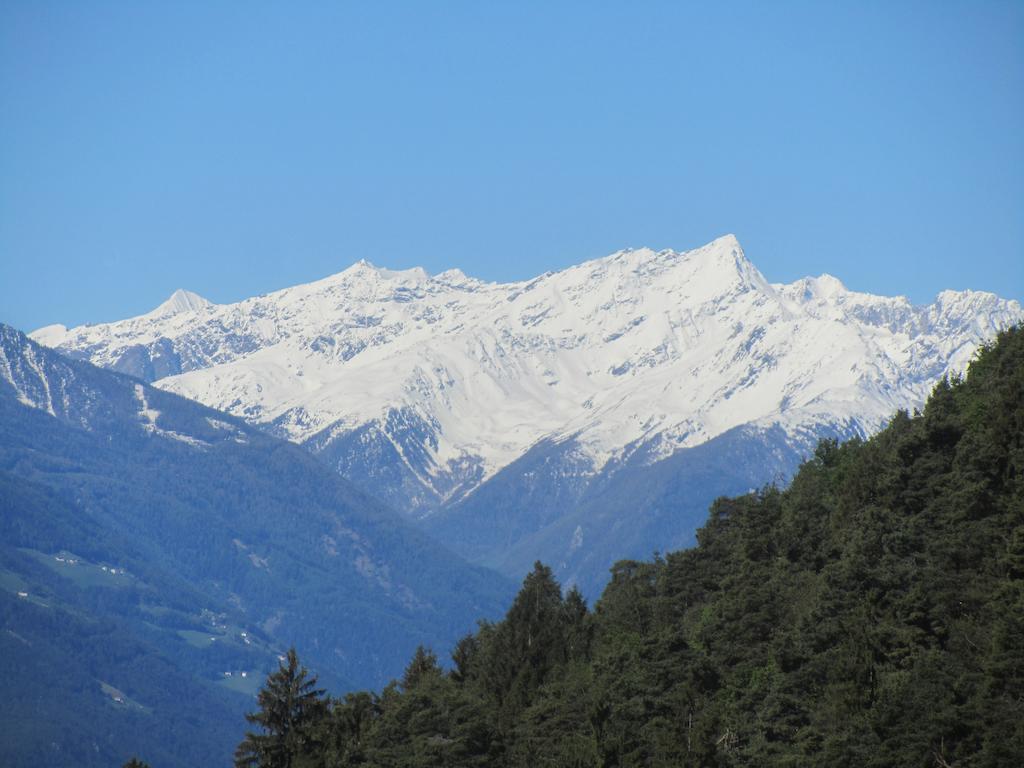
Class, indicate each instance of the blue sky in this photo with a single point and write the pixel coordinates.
(236, 148)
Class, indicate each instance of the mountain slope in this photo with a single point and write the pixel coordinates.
(201, 542)
(425, 389)
(630, 513)
(871, 614)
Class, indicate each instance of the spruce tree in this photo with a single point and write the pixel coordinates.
(290, 707)
(423, 664)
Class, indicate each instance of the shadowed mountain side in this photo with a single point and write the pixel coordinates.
(582, 524)
(658, 507)
(226, 545)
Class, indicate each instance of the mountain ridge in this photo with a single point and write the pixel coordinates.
(423, 389)
(279, 341)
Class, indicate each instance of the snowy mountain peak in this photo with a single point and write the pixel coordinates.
(364, 269)
(721, 262)
(823, 287)
(50, 335)
(722, 251)
(716, 273)
(448, 379)
(180, 301)
(949, 299)
(728, 240)
(455, 277)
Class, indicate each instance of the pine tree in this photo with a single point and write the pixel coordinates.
(290, 707)
(527, 644)
(423, 664)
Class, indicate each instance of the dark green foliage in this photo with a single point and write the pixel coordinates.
(291, 706)
(422, 667)
(872, 614)
(135, 763)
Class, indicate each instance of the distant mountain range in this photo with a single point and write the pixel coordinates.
(580, 417)
(155, 551)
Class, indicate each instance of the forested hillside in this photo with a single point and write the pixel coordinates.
(872, 614)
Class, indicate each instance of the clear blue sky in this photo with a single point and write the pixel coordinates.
(236, 148)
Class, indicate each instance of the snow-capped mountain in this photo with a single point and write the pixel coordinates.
(423, 388)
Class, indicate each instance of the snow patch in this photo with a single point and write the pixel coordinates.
(150, 416)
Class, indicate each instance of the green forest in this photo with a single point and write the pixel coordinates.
(870, 614)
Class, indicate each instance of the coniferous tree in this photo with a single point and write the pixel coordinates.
(290, 708)
(464, 655)
(345, 734)
(423, 665)
(528, 643)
